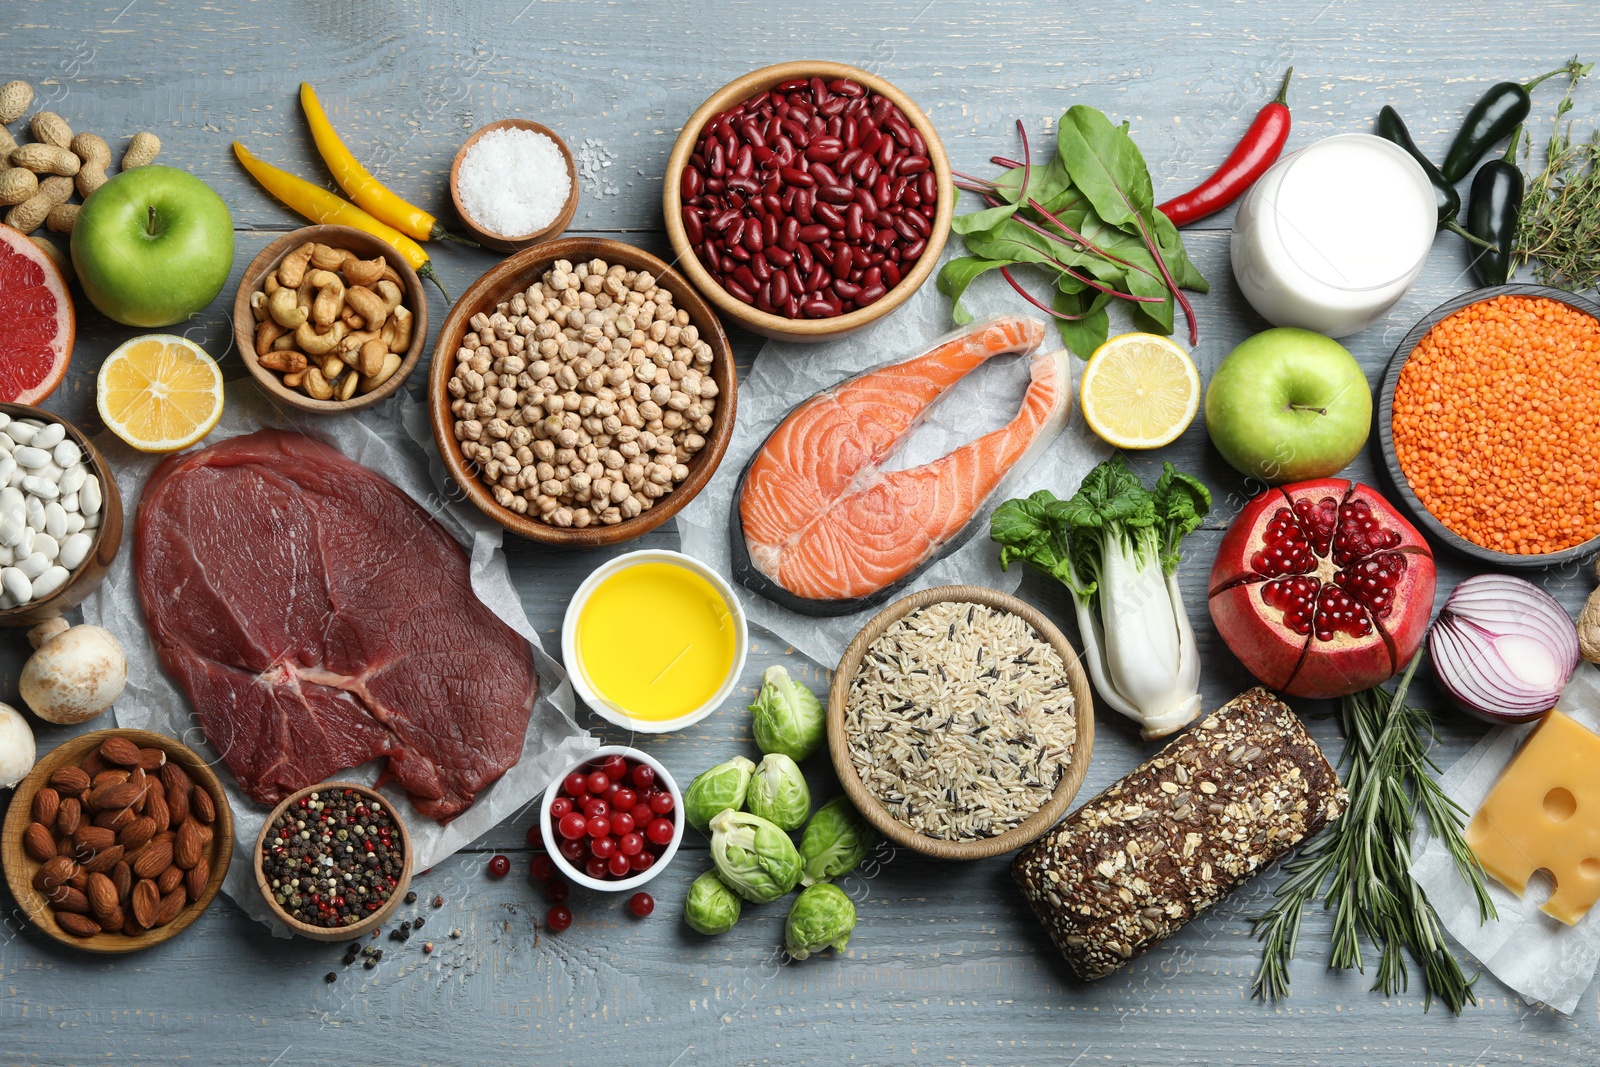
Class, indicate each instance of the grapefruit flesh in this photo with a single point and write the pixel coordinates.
(37, 322)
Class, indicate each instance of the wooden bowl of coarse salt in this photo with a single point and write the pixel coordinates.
(514, 184)
(960, 722)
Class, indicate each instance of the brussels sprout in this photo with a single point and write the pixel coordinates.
(836, 839)
(786, 717)
(778, 793)
(711, 907)
(755, 858)
(717, 789)
(821, 918)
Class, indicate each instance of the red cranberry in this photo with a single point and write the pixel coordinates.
(598, 781)
(595, 868)
(572, 825)
(642, 815)
(542, 868)
(573, 851)
(615, 766)
(594, 806)
(624, 799)
(558, 918)
(602, 848)
(556, 890)
(641, 904)
(643, 861)
(661, 803)
(535, 836)
(644, 776)
(622, 824)
(576, 784)
(618, 865)
(630, 844)
(599, 826)
(560, 806)
(659, 831)
(499, 866)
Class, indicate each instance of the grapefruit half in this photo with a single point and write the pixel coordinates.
(37, 321)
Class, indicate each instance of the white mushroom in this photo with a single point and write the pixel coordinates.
(16, 747)
(77, 672)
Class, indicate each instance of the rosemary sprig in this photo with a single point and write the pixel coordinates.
(1559, 227)
(1364, 859)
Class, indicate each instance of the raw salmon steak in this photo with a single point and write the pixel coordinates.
(822, 529)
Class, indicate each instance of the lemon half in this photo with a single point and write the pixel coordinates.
(1140, 390)
(159, 392)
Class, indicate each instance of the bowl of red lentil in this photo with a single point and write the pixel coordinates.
(1487, 419)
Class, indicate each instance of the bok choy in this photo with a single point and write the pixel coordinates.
(1115, 545)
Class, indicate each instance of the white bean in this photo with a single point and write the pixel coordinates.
(89, 497)
(49, 582)
(55, 520)
(91, 522)
(66, 453)
(34, 510)
(16, 584)
(8, 467)
(46, 546)
(50, 435)
(71, 481)
(5, 420)
(74, 550)
(11, 497)
(17, 476)
(43, 488)
(23, 431)
(69, 502)
(74, 522)
(6, 443)
(51, 471)
(12, 527)
(28, 456)
(25, 546)
(7, 557)
(33, 564)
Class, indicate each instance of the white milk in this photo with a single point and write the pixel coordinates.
(1332, 235)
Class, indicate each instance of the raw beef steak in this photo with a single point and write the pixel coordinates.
(318, 617)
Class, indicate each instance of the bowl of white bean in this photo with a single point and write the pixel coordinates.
(60, 515)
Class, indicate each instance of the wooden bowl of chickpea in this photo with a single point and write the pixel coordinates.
(325, 368)
(582, 392)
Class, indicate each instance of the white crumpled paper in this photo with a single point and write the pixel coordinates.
(1540, 957)
(394, 440)
(786, 374)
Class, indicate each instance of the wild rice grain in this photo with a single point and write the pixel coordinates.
(964, 779)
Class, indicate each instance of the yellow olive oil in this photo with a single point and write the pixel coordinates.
(656, 640)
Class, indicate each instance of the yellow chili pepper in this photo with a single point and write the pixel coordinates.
(321, 206)
(369, 194)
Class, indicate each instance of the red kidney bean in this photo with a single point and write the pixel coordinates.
(792, 85)
(803, 205)
(690, 185)
(738, 291)
(745, 277)
(854, 222)
(805, 260)
(911, 252)
(841, 262)
(813, 233)
(797, 276)
(846, 290)
(850, 132)
(760, 268)
(845, 87)
(835, 194)
(822, 174)
(735, 234)
(738, 252)
(908, 166)
(872, 276)
(830, 215)
(778, 256)
(891, 272)
(824, 149)
(886, 154)
(789, 233)
(744, 162)
(817, 309)
(819, 278)
(752, 237)
(871, 293)
(884, 239)
(796, 176)
(905, 228)
(692, 227)
(928, 186)
(863, 196)
(849, 159)
(919, 223)
(836, 127)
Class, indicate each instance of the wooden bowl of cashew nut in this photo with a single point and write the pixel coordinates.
(330, 319)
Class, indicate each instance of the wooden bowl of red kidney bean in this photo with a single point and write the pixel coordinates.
(807, 200)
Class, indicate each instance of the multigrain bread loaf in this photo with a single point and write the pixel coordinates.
(1220, 803)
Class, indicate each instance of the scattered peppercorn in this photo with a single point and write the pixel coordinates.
(416, 924)
(427, 947)
(456, 933)
(438, 901)
(411, 898)
(333, 858)
(330, 978)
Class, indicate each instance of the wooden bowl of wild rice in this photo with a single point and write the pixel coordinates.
(960, 722)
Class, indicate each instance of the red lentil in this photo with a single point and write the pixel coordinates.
(1495, 415)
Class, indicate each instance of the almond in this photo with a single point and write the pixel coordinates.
(70, 817)
(151, 759)
(156, 857)
(201, 804)
(133, 927)
(122, 878)
(57, 871)
(188, 850)
(69, 781)
(125, 795)
(77, 925)
(65, 847)
(119, 750)
(157, 810)
(195, 881)
(115, 776)
(105, 859)
(170, 879)
(140, 778)
(92, 839)
(68, 899)
(116, 819)
(146, 902)
(174, 776)
(172, 905)
(137, 833)
(39, 841)
(94, 764)
(80, 880)
(46, 805)
(177, 802)
(207, 835)
(114, 921)
(102, 896)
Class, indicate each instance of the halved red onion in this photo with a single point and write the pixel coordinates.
(1502, 648)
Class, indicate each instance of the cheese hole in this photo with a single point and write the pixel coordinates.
(1590, 868)
(1560, 804)
(1541, 886)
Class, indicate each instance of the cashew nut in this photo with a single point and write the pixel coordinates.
(285, 309)
(313, 343)
(390, 292)
(371, 358)
(271, 285)
(326, 257)
(368, 304)
(363, 271)
(399, 338)
(258, 305)
(286, 362)
(351, 344)
(284, 343)
(347, 386)
(268, 331)
(316, 385)
(292, 270)
(391, 363)
(330, 297)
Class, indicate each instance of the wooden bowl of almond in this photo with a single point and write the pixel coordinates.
(329, 318)
(117, 841)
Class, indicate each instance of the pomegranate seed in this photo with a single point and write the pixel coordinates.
(660, 831)
(556, 890)
(643, 776)
(542, 868)
(641, 904)
(499, 866)
(558, 918)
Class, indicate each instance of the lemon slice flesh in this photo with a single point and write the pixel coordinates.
(159, 392)
(1140, 390)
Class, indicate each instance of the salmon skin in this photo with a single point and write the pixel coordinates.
(820, 528)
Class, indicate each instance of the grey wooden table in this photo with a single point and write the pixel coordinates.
(946, 965)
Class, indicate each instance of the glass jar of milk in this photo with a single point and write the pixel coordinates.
(1332, 236)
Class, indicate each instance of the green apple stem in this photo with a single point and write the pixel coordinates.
(1308, 407)
(150, 225)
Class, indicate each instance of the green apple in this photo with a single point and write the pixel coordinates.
(152, 246)
(1288, 405)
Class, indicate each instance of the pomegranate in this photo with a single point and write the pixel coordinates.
(1321, 588)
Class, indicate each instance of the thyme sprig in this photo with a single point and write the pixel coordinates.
(1559, 227)
(1360, 866)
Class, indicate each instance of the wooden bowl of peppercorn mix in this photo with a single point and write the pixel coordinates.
(369, 888)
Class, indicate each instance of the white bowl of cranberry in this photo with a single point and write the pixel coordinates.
(613, 821)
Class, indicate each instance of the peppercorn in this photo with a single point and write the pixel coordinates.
(438, 901)
(318, 877)
(411, 898)
(427, 947)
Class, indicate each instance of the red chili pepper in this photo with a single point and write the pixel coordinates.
(1259, 149)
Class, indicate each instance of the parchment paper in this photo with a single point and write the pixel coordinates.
(1540, 957)
(786, 374)
(394, 440)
